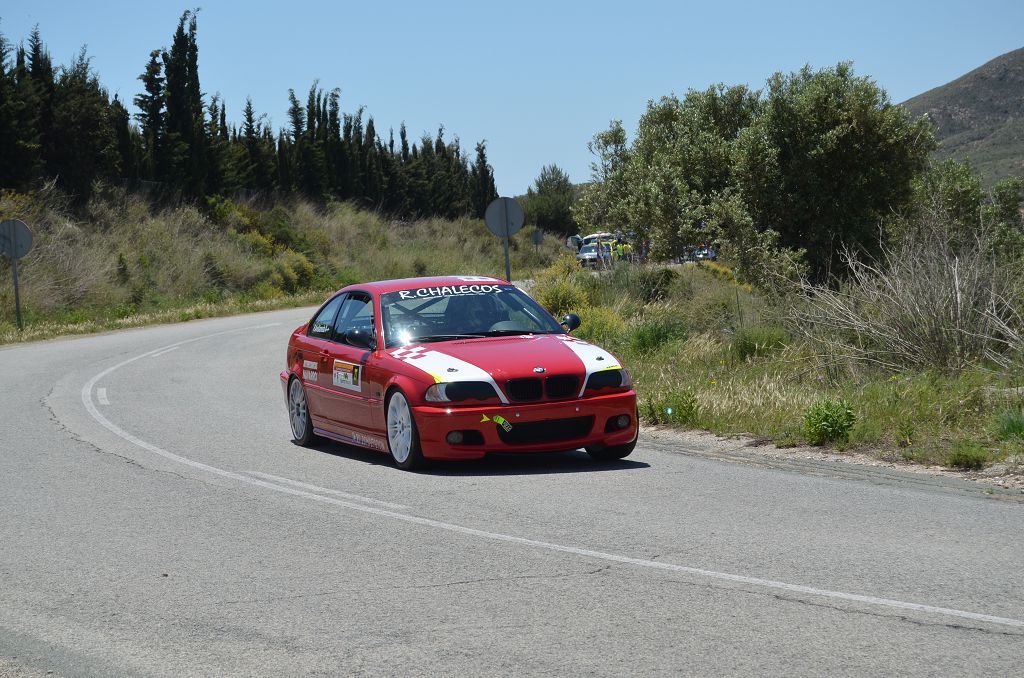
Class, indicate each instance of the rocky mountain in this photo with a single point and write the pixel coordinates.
(980, 116)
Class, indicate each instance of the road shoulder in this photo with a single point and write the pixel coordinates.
(994, 483)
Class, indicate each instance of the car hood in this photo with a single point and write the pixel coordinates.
(497, 359)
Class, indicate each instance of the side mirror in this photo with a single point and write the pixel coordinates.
(571, 321)
(361, 338)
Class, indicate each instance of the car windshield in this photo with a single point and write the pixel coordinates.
(469, 311)
(588, 249)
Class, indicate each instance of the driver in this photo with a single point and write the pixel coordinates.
(472, 313)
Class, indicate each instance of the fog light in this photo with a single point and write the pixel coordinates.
(455, 438)
(622, 421)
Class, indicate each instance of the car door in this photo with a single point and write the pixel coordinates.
(346, 391)
(313, 354)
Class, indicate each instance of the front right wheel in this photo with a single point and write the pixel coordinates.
(403, 438)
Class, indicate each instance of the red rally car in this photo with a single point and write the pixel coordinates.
(453, 368)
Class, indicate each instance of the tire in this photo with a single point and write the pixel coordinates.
(616, 452)
(298, 413)
(403, 437)
(612, 453)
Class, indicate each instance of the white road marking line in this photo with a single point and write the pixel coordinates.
(317, 488)
(90, 406)
(166, 350)
(101, 395)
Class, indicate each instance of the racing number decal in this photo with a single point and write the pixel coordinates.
(499, 420)
(347, 376)
(309, 371)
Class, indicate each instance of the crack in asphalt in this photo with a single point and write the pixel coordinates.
(73, 435)
(461, 582)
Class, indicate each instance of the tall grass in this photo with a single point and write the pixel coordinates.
(121, 261)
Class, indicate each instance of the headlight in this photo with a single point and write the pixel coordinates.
(459, 391)
(610, 379)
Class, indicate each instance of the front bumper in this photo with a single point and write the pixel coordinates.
(545, 427)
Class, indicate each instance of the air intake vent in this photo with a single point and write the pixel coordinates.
(563, 386)
(524, 390)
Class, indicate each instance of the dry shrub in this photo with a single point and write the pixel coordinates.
(922, 305)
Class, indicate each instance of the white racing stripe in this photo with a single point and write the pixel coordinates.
(594, 358)
(317, 488)
(757, 582)
(445, 368)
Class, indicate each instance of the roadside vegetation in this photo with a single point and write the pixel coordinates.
(709, 353)
(124, 263)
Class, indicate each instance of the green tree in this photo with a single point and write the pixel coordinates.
(598, 200)
(549, 201)
(84, 130)
(481, 177)
(129, 143)
(827, 160)
(151, 105)
(185, 135)
(19, 113)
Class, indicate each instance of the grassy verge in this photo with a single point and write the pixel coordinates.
(100, 320)
(122, 263)
(707, 353)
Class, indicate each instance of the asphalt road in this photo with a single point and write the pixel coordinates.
(157, 520)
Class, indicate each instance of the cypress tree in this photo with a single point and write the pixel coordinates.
(482, 188)
(129, 147)
(25, 163)
(40, 71)
(151, 117)
(85, 145)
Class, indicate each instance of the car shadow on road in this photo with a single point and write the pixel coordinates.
(498, 464)
(493, 464)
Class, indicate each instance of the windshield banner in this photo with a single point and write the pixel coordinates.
(449, 291)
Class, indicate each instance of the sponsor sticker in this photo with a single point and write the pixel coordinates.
(449, 291)
(320, 328)
(348, 376)
(502, 422)
(309, 370)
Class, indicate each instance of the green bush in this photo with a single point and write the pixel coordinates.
(828, 420)
(758, 340)
(1009, 424)
(600, 324)
(676, 407)
(968, 455)
(292, 272)
(651, 334)
(560, 296)
(653, 284)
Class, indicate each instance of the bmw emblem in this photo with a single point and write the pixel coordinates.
(539, 370)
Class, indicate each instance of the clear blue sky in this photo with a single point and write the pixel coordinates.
(535, 79)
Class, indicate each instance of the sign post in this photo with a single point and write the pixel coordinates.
(504, 217)
(15, 242)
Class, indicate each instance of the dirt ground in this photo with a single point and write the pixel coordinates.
(1004, 479)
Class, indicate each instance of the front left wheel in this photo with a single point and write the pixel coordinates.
(403, 438)
(298, 413)
(616, 452)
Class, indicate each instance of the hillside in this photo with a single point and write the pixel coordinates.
(980, 116)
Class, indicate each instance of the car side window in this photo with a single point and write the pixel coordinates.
(323, 325)
(356, 312)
